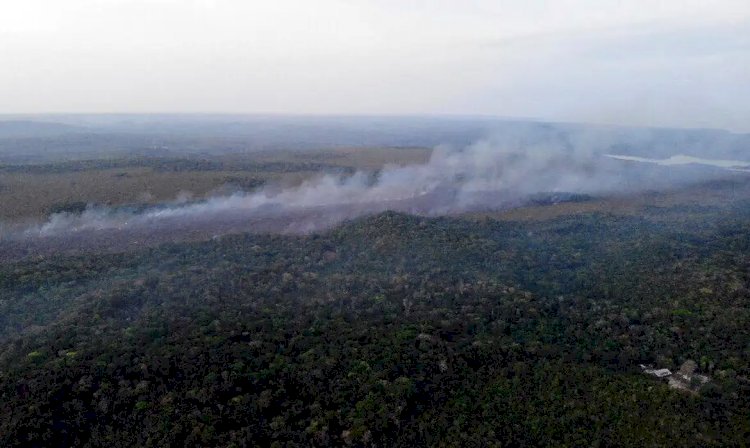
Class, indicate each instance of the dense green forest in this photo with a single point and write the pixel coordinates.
(391, 330)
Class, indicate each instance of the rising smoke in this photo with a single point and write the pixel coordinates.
(482, 175)
(490, 174)
(504, 171)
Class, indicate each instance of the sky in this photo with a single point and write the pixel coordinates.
(677, 63)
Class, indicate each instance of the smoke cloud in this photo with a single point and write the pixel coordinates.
(490, 174)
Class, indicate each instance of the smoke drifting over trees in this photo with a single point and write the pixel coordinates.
(493, 173)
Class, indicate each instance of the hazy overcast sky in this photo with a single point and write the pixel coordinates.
(673, 63)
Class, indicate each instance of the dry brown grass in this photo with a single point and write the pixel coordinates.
(25, 196)
(32, 195)
(718, 194)
(356, 158)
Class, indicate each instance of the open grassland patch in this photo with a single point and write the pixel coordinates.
(34, 191)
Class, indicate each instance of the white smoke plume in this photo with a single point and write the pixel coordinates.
(485, 175)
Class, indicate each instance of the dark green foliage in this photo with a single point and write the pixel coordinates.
(557, 198)
(392, 330)
(76, 207)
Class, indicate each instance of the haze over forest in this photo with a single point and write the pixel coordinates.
(374, 223)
